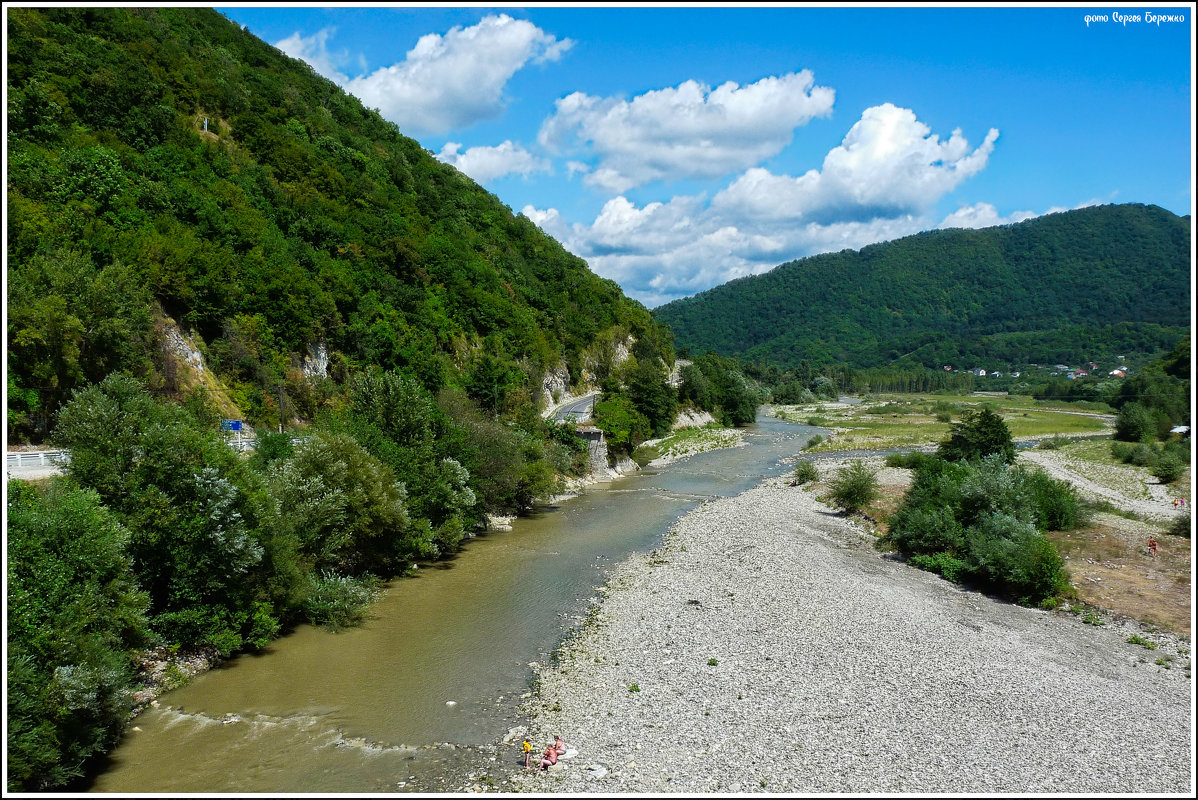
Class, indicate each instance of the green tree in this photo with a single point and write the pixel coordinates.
(398, 421)
(1136, 423)
(344, 506)
(74, 614)
(652, 396)
(980, 433)
(694, 388)
(623, 426)
(181, 492)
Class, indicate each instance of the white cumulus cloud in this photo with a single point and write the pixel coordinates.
(451, 81)
(485, 164)
(688, 131)
(983, 215)
(314, 50)
(882, 182)
(888, 165)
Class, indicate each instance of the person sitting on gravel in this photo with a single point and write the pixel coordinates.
(559, 745)
(549, 757)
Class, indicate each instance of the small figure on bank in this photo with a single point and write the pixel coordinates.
(1176, 500)
(527, 754)
(549, 757)
(559, 745)
(1152, 545)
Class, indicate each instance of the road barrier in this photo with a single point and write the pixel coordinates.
(56, 458)
(37, 458)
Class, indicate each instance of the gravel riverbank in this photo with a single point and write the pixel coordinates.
(768, 647)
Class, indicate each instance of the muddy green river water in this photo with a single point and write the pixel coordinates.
(437, 672)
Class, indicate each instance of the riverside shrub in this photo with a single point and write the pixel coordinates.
(339, 601)
(910, 460)
(805, 472)
(1012, 557)
(1056, 504)
(854, 487)
(926, 530)
(1139, 453)
(992, 487)
(1168, 468)
(980, 523)
(948, 566)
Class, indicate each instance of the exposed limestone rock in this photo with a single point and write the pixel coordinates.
(691, 418)
(316, 363)
(181, 346)
(555, 387)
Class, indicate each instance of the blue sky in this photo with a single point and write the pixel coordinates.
(675, 148)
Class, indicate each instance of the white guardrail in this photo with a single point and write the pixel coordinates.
(56, 458)
(37, 458)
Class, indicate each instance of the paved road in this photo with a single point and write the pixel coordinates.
(576, 410)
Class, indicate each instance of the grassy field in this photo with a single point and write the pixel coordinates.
(896, 421)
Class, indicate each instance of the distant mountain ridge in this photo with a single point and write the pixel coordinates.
(1082, 284)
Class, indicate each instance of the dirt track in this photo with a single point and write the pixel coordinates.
(1159, 503)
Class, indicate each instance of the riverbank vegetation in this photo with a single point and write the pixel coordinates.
(983, 523)
(686, 442)
(1097, 511)
(75, 614)
(638, 405)
(161, 534)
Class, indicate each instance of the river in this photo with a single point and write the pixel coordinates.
(434, 678)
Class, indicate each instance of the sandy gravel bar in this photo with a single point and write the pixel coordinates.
(839, 669)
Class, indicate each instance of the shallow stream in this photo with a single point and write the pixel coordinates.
(435, 676)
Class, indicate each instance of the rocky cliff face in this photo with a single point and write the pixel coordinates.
(691, 418)
(316, 362)
(555, 387)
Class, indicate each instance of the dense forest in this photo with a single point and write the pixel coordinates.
(1093, 283)
(167, 163)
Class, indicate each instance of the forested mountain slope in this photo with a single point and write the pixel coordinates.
(1077, 285)
(166, 156)
(166, 166)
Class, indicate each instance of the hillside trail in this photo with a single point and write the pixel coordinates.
(1160, 504)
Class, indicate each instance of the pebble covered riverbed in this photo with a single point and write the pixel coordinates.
(767, 646)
